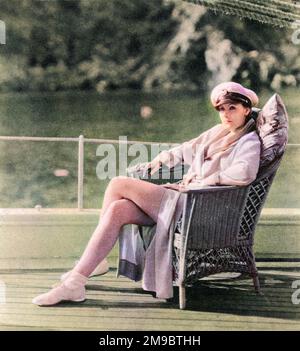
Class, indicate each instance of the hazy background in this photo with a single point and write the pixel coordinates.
(88, 67)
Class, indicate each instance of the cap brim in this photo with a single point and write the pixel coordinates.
(225, 101)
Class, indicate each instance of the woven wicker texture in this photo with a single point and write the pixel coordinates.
(220, 236)
(216, 232)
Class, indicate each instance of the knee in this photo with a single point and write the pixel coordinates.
(119, 184)
(119, 210)
(119, 178)
(115, 181)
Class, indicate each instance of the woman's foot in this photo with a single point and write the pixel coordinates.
(71, 289)
(102, 268)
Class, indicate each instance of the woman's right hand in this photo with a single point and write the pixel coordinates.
(155, 164)
(144, 167)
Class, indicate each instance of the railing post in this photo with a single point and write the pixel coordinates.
(80, 172)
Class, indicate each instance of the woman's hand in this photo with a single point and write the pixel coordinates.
(175, 186)
(143, 167)
(182, 186)
(156, 163)
(188, 178)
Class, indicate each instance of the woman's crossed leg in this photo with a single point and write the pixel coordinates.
(126, 200)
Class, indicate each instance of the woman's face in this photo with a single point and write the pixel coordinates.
(233, 115)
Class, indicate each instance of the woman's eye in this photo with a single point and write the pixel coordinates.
(232, 107)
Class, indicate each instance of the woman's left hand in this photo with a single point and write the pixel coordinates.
(188, 179)
(182, 188)
(175, 186)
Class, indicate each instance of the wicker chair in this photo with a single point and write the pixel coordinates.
(216, 231)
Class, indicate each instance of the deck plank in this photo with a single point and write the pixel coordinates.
(120, 304)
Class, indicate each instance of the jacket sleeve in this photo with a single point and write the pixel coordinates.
(176, 154)
(244, 168)
(184, 153)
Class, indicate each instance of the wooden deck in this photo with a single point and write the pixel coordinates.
(120, 304)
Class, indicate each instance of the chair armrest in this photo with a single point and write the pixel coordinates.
(163, 175)
(211, 188)
(213, 216)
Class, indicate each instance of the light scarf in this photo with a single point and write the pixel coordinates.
(219, 142)
(224, 139)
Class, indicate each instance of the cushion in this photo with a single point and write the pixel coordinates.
(272, 128)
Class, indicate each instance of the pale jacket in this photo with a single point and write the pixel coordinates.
(238, 165)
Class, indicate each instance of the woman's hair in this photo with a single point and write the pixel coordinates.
(242, 103)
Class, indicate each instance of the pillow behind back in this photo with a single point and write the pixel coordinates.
(272, 128)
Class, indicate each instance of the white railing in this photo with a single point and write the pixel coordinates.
(81, 140)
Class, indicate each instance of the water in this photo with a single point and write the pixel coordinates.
(27, 169)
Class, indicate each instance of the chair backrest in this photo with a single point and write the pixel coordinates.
(257, 195)
(272, 127)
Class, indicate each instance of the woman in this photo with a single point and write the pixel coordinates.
(226, 154)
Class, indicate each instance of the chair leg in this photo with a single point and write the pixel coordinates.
(182, 297)
(256, 283)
